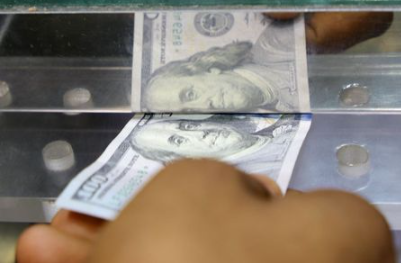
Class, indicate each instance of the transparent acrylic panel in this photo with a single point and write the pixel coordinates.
(318, 166)
(23, 136)
(47, 61)
(74, 62)
(83, 62)
(355, 83)
(110, 4)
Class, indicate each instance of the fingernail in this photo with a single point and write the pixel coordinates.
(270, 185)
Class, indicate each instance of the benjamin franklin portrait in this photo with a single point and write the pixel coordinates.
(251, 142)
(239, 77)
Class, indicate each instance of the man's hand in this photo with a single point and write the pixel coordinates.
(68, 239)
(329, 32)
(207, 211)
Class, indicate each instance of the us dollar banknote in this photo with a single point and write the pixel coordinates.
(217, 61)
(265, 144)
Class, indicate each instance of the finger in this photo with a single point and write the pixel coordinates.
(44, 244)
(292, 192)
(188, 201)
(335, 31)
(282, 16)
(205, 211)
(204, 178)
(332, 221)
(76, 224)
(270, 185)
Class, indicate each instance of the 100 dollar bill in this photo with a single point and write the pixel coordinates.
(263, 144)
(217, 61)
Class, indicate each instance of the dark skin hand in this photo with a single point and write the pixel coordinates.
(331, 32)
(207, 211)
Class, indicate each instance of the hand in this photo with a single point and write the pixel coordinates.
(68, 239)
(328, 32)
(206, 211)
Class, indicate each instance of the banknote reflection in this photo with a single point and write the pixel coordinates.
(241, 76)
